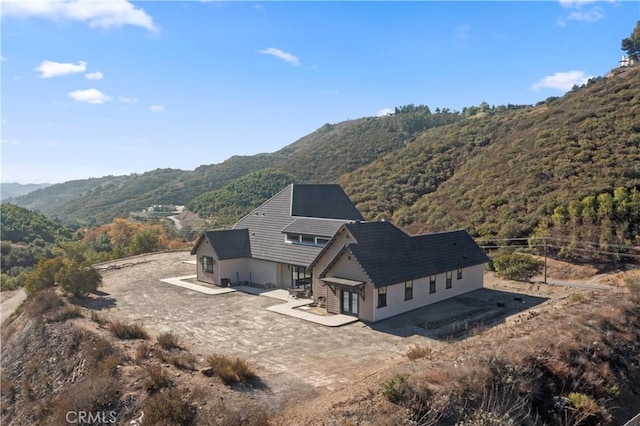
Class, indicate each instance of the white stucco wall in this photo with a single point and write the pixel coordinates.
(472, 279)
(261, 271)
(232, 269)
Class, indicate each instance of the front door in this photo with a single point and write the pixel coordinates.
(349, 302)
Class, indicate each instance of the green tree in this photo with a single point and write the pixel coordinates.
(144, 241)
(44, 275)
(631, 44)
(78, 280)
(517, 266)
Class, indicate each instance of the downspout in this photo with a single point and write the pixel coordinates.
(238, 277)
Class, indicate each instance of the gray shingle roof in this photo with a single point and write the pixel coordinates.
(313, 226)
(327, 201)
(266, 223)
(228, 244)
(388, 255)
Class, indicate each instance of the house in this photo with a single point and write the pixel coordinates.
(274, 244)
(373, 270)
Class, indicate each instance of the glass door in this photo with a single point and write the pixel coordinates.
(349, 302)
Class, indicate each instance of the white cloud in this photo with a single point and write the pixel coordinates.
(9, 142)
(562, 81)
(101, 14)
(156, 108)
(48, 69)
(287, 57)
(592, 15)
(384, 111)
(90, 96)
(2, 58)
(94, 75)
(574, 3)
(125, 100)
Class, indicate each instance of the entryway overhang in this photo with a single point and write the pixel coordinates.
(344, 282)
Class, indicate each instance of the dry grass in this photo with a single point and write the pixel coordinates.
(417, 352)
(141, 353)
(65, 313)
(169, 407)
(230, 370)
(99, 319)
(156, 378)
(168, 341)
(183, 361)
(42, 302)
(126, 331)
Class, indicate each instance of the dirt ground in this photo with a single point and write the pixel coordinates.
(296, 358)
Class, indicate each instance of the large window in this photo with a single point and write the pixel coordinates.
(408, 290)
(300, 277)
(449, 278)
(432, 284)
(382, 297)
(459, 274)
(207, 264)
(306, 239)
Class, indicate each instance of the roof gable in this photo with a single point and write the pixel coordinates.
(228, 244)
(327, 201)
(387, 255)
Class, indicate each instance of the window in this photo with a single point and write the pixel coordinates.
(207, 264)
(459, 274)
(408, 290)
(449, 278)
(382, 297)
(306, 239)
(321, 241)
(293, 238)
(432, 284)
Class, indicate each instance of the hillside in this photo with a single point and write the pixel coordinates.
(12, 189)
(496, 171)
(498, 174)
(18, 224)
(322, 156)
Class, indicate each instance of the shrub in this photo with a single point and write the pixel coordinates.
(42, 302)
(183, 361)
(168, 341)
(517, 266)
(576, 297)
(418, 352)
(231, 371)
(99, 319)
(68, 312)
(94, 394)
(157, 378)
(78, 280)
(128, 331)
(395, 388)
(168, 408)
(633, 285)
(141, 353)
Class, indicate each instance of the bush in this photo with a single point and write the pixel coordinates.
(128, 331)
(78, 280)
(42, 302)
(231, 371)
(168, 341)
(395, 388)
(99, 319)
(633, 285)
(183, 361)
(517, 266)
(157, 378)
(168, 408)
(418, 352)
(141, 353)
(68, 312)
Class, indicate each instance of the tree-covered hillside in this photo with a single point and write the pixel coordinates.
(500, 174)
(237, 198)
(18, 224)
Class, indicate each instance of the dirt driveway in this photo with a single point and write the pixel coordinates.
(238, 324)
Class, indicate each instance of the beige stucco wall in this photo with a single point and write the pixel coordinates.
(231, 268)
(261, 271)
(347, 267)
(205, 249)
(319, 289)
(472, 279)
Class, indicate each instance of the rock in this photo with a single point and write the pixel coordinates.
(207, 371)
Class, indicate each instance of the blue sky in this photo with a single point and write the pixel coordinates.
(96, 88)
